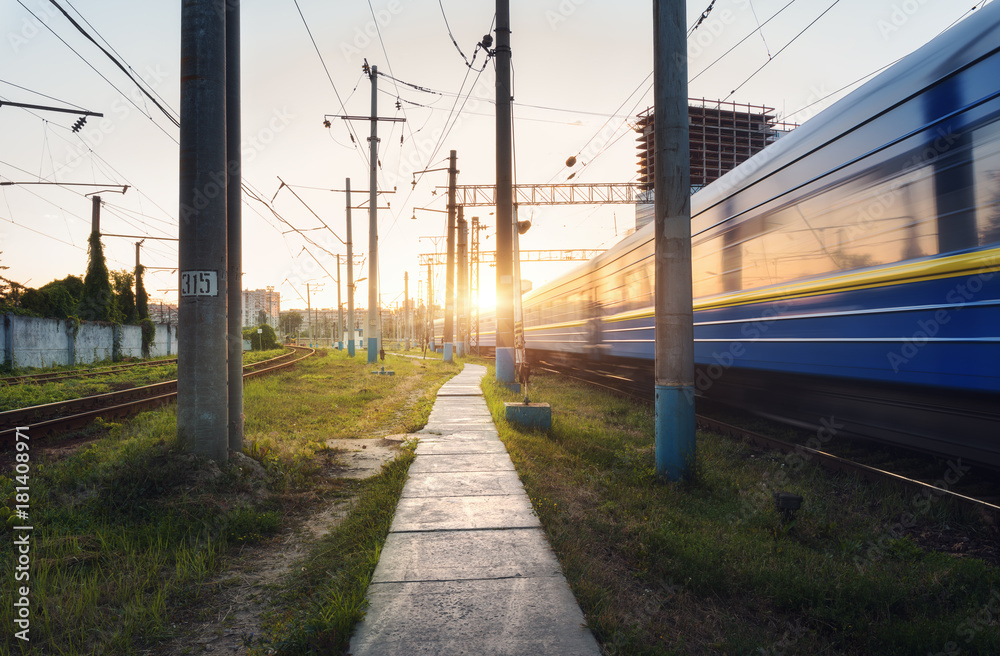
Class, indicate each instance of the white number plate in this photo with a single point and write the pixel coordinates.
(199, 283)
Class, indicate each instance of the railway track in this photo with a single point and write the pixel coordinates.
(44, 420)
(52, 376)
(985, 505)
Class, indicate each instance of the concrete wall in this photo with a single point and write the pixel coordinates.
(93, 343)
(33, 342)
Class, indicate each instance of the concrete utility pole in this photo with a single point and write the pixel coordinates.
(350, 277)
(406, 307)
(312, 327)
(374, 315)
(505, 204)
(674, 368)
(449, 278)
(202, 370)
(234, 225)
(340, 311)
(430, 305)
(95, 214)
(463, 283)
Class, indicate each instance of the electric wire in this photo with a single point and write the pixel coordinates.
(329, 77)
(783, 48)
(104, 77)
(115, 61)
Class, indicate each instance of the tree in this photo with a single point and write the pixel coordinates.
(59, 298)
(141, 297)
(264, 340)
(124, 296)
(98, 302)
(261, 316)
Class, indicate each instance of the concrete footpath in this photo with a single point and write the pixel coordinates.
(466, 568)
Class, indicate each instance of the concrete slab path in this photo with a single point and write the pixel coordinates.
(467, 568)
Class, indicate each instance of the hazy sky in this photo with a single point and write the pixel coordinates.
(580, 76)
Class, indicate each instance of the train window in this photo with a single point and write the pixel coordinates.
(986, 155)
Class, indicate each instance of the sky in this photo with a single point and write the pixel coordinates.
(581, 74)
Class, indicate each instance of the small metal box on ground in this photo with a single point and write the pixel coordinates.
(530, 416)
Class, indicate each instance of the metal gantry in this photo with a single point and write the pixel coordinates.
(593, 193)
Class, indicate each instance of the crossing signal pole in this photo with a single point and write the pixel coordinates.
(674, 364)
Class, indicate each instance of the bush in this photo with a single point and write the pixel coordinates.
(263, 341)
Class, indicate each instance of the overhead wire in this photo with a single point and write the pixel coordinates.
(329, 77)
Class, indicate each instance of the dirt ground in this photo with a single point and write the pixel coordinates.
(241, 594)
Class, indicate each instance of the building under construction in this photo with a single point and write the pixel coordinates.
(722, 136)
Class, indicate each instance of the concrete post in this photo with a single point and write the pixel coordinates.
(463, 283)
(202, 399)
(234, 226)
(374, 318)
(350, 277)
(674, 365)
(505, 203)
(449, 278)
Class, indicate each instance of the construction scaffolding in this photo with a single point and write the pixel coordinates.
(722, 136)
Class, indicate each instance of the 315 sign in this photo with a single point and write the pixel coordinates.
(199, 283)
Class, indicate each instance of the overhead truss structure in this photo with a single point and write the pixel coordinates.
(490, 257)
(610, 193)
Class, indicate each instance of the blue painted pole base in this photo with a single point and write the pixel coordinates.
(340, 346)
(675, 432)
(350, 349)
(448, 348)
(372, 350)
(505, 366)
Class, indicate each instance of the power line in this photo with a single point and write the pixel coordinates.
(770, 59)
(330, 78)
(115, 62)
(84, 59)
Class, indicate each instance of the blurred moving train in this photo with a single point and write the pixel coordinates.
(845, 277)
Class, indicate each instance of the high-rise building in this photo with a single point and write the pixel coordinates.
(261, 306)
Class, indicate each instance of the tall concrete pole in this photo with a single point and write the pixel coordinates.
(234, 225)
(449, 278)
(505, 204)
(406, 308)
(309, 315)
(340, 311)
(674, 365)
(95, 214)
(374, 315)
(202, 369)
(430, 305)
(350, 277)
(463, 282)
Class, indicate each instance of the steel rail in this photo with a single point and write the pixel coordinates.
(988, 511)
(112, 404)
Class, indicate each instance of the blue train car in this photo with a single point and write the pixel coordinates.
(847, 273)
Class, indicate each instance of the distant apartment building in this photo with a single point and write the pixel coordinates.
(261, 306)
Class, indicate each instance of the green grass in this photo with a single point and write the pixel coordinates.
(708, 566)
(129, 529)
(326, 597)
